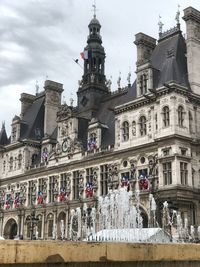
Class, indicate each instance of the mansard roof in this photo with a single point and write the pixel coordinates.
(169, 58)
(106, 112)
(32, 126)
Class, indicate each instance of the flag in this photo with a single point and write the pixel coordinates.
(84, 54)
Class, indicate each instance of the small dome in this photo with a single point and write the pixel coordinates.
(94, 21)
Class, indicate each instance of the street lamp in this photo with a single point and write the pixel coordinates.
(33, 221)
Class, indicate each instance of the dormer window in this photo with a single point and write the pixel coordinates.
(92, 141)
(14, 133)
(143, 84)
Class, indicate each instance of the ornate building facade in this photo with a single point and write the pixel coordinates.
(60, 158)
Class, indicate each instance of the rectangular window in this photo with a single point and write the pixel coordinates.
(184, 173)
(30, 192)
(104, 180)
(63, 181)
(75, 184)
(167, 173)
(52, 185)
(89, 175)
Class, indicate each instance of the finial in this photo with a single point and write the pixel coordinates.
(36, 88)
(177, 18)
(129, 77)
(94, 8)
(119, 80)
(160, 24)
(47, 77)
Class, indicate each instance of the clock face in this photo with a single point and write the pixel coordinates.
(66, 145)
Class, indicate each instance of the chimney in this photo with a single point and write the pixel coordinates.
(53, 92)
(26, 102)
(145, 46)
(192, 19)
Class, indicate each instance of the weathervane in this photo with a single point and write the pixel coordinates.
(177, 18)
(160, 24)
(94, 8)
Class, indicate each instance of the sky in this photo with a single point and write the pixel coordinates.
(40, 38)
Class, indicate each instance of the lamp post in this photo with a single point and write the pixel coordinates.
(33, 221)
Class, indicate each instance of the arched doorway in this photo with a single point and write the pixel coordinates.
(10, 229)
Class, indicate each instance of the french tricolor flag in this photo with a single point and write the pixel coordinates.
(84, 54)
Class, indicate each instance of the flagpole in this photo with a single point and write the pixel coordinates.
(76, 61)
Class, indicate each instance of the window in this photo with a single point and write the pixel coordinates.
(143, 126)
(19, 161)
(63, 181)
(52, 186)
(180, 116)
(75, 184)
(166, 120)
(167, 173)
(4, 166)
(11, 163)
(50, 225)
(184, 173)
(31, 192)
(125, 131)
(92, 141)
(134, 128)
(14, 133)
(143, 84)
(89, 175)
(104, 180)
(166, 152)
(190, 122)
(156, 121)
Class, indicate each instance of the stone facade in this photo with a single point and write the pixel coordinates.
(60, 158)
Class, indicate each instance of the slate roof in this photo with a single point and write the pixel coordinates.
(169, 57)
(3, 136)
(32, 125)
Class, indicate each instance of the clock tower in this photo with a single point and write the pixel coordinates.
(92, 87)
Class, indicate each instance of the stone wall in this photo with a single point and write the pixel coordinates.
(52, 253)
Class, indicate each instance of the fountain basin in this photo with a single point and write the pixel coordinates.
(39, 253)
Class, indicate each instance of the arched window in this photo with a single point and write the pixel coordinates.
(125, 131)
(180, 115)
(50, 225)
(143, 84)
(190, 122)
(143, 125)
(166, 120)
